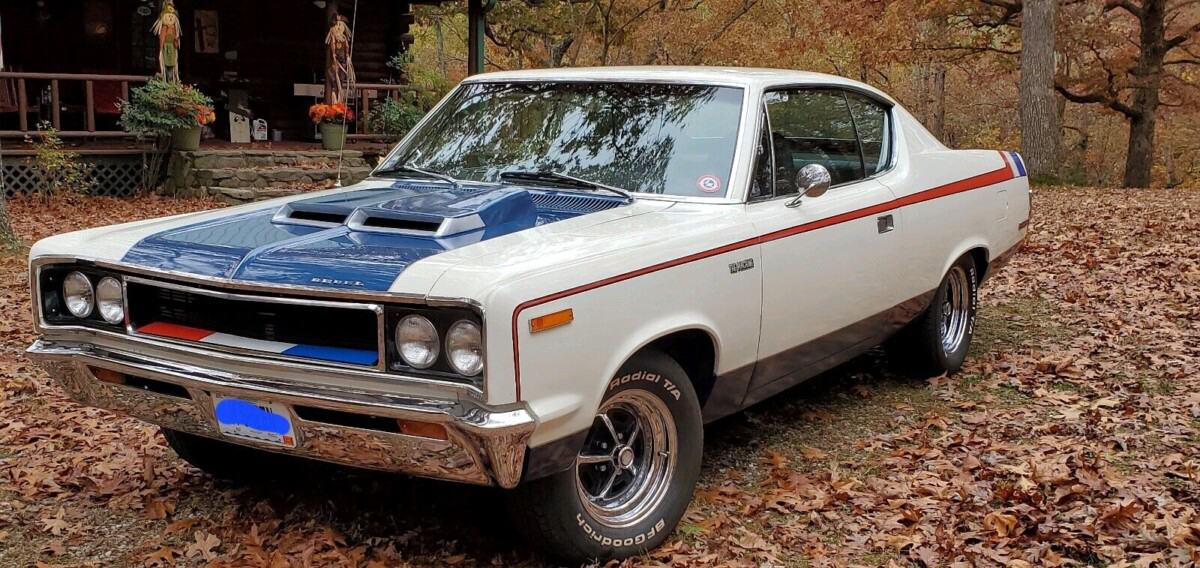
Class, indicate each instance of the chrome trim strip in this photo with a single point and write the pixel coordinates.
(136, 343)
(485, 444)
(290, 289)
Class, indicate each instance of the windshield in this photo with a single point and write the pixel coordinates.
(643, 137)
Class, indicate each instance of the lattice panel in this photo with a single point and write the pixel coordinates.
(116, 177)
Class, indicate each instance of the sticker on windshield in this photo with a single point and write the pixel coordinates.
(709, 183)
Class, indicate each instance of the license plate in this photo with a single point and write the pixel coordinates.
(266, 422)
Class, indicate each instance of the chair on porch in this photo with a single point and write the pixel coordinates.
(8, 96)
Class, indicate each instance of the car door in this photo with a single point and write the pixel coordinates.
(827, 263)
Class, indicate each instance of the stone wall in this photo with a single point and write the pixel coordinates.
(239, 176)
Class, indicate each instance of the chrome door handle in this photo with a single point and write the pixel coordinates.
(886, 224)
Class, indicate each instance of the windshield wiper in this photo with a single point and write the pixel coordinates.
(416, 170)
(564, 179)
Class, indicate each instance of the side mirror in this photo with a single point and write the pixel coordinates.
(813, 180)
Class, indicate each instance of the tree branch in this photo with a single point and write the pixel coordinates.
(1097, 98)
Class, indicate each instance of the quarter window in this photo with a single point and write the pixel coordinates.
(874, 132)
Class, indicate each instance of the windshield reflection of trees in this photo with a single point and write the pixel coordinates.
(621, 134)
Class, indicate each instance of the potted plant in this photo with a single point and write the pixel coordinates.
(163, 108)
(331, 119)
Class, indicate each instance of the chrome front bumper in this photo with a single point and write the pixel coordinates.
(483, 446)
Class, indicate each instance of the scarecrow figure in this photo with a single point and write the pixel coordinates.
(341, 71)
(168, 32)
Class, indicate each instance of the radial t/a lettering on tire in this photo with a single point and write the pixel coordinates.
(937, 341)
(634, 475)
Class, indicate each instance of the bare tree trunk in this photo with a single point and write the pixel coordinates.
(1041, 122)
(1149, 72)
(441, 45)
(938, 120)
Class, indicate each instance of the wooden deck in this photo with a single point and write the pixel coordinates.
(120, 147)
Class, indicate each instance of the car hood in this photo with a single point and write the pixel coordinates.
(363, 237)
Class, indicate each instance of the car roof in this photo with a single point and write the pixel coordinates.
(733, 76)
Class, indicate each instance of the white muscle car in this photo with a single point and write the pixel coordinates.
(549, 285)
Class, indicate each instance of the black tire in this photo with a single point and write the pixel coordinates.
(919, 347)
(225, 460)
(551, 512)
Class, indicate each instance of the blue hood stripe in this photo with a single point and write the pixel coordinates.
(256, 247)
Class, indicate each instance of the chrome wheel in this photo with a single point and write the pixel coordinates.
(625, 467)
(956, 310)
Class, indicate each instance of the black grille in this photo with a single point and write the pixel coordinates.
(352, 328)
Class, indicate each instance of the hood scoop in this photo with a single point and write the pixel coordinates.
(311, 214)
(436, 215)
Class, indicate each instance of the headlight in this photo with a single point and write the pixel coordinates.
(110, 299)
(464, 348)
(417, 341)
(78, 294)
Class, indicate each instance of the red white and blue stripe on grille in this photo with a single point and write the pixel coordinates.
(317, 352)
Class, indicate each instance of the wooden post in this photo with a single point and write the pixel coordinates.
(55, 118)
(91, 106)
(365, 108)
(475, 37)
(21, 106)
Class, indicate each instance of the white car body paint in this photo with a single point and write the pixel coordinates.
(637, 273)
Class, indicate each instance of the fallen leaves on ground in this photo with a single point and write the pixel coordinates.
(1071, 437)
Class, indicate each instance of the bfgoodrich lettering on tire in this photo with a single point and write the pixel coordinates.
(634, 475)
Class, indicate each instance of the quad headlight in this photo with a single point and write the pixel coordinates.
(442, 342)
(464, 348)
(417, 341)
(78, 295)
(110, 300)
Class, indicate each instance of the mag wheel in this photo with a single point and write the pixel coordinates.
(958, 310)
(626, 464)
(632, 478)
(937, 341)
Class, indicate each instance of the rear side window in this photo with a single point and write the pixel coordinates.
(812, 126)
(874, 132)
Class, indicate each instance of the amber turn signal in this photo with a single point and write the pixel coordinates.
(550, 321)
(422, 429)
(108, 375)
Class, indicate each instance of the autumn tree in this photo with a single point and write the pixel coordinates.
(1131, 57)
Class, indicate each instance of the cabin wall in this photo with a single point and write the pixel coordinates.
(265, 47)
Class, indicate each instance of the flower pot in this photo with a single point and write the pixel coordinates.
(333, 136)
(186, 139)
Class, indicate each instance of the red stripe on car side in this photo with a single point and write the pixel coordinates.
(983, 180)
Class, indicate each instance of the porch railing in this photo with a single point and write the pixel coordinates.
(14, 97)
(365, 92)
